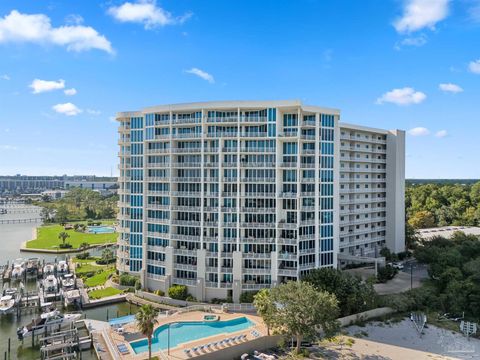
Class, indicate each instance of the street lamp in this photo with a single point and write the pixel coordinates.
(168, 336)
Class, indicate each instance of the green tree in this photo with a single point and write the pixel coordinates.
(146, 319)
(46, 214)
(61, 214)
(411, 237)
(107, 255)
(63, 236)
(422, 220)
(300, 310)
(265, 307)
(352, 293)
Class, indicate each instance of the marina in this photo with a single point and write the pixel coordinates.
(26, 294)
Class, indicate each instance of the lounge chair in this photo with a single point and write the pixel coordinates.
(187, 352)
(123, 349)
(195, 349)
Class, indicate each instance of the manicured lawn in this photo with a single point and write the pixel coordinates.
(101, 293)
(99, 279)
(86, 268)
(47, 238)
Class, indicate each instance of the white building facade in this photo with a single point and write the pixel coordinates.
(227, 197)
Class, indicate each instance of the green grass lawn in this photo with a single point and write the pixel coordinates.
(99, 279)
(47, 238)
(101, 293)
(86, 268)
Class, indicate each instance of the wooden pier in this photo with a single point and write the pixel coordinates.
(20, 221)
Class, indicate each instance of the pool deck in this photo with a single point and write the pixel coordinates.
(131, 333)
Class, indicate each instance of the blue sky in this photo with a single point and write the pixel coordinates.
(407, 64)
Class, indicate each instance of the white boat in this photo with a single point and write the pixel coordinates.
(62, 267)
(68, 282)
(7, 304)
(18, 269)
(47, 321)
(32, 265)
(72, 297)
(50, 284)
(48, 269)
(10, 291)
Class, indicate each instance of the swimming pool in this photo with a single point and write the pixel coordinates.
(102, 229)
(183, 332)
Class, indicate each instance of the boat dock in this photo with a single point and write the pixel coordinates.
(66, 344)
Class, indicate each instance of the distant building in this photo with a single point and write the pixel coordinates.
(23, 184)
(447, 231)
(234, 196)
(54, 194)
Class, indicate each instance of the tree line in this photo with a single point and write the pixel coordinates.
(79, 204)
(442, 204)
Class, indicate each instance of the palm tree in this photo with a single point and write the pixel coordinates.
(63, 236)
(84, 247)
(146, 320)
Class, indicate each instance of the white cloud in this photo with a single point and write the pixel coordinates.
(39, 86)
(8, 147)
(419, 131)
(112, 119)
(403, 96)
(4, 77)
(474, 66)
(93, 112)
(201, 74)
(474, 11)
(145, 12)
(74, 19)
(441, 133)
(414, 41)
(70, 92)
(419, 14)
(68, 109)
(36, 28)
(452, 88)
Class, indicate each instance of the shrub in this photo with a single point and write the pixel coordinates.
(106, 261)
(128, 280)
(83, 256)
(191, 298)
(247, 296)
(65, 246)
(386, 273)
(159, 293)
(138, 285)
(218, 301)
(178, 292)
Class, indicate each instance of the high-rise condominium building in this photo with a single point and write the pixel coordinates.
(232, 196)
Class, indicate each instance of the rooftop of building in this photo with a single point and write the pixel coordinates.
(231, 104)
(447, 231)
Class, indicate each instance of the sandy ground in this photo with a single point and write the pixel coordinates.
(402, 337)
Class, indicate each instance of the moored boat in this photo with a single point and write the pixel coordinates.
(7, 304)
(46, 321)
(48, 269)
(62, 267)
(50, 284)
(18, 269)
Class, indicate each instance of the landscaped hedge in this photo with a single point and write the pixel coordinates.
(178, 292)
(128, 280)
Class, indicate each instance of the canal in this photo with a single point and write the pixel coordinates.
(11, 237)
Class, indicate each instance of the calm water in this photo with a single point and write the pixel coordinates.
(11, 237)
